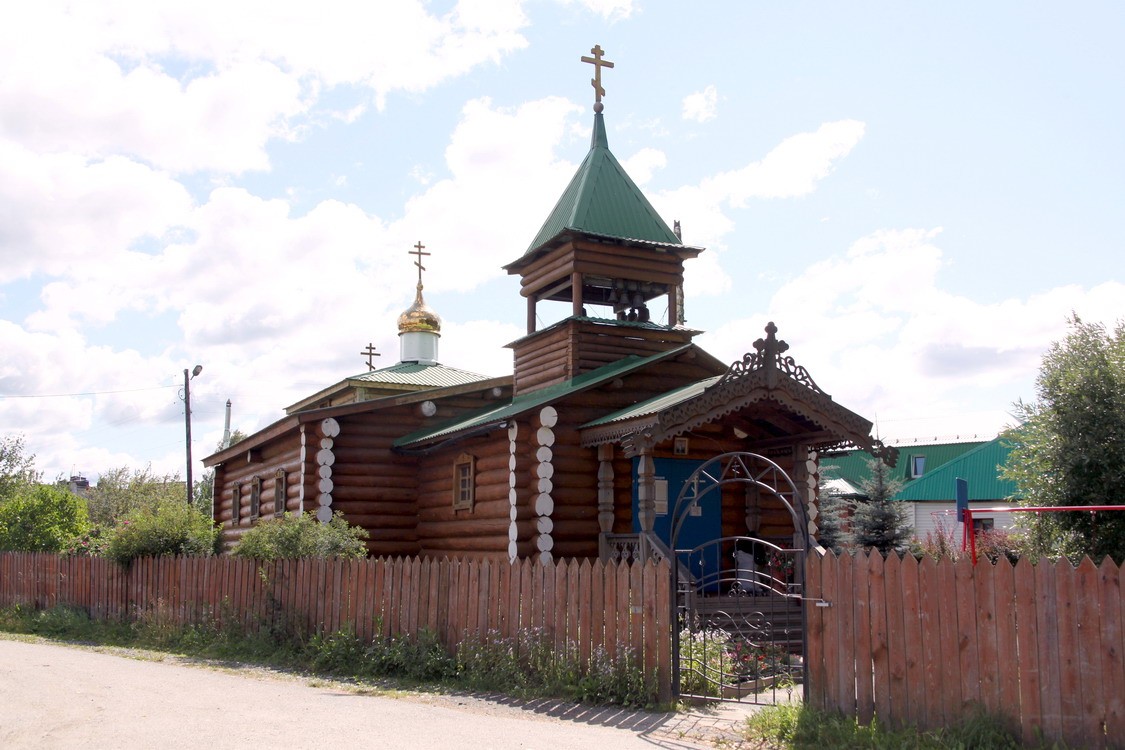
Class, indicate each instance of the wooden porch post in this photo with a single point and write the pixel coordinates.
(646, 490)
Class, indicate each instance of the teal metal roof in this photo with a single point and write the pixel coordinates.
(535, 399)
(852, 467)
(656, 404)
(417, 374)
(976, 462)
(601, 199)
(980, 467)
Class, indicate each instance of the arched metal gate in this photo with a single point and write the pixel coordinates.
(739, 620)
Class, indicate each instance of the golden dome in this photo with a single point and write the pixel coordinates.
(419, 317)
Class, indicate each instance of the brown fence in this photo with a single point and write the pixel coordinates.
(925, 644)
(623, 608)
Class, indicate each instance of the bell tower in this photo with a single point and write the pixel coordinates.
(606, 251)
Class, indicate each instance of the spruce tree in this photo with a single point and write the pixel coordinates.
(879, 522)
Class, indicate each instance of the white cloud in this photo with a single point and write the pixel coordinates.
(60, 212)
(877, 330)
(641, 165)
(701, 105)
(790, 170)
(611, 10)
(207, 86)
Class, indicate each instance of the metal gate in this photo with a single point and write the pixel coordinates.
(739, 620)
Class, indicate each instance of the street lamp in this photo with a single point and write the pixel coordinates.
(187, 421)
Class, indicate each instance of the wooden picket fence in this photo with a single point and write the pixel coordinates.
(926, 643)
(621, 608)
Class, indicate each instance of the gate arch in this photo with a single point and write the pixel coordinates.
(735, 625)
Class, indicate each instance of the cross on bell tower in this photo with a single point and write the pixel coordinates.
(596, 81)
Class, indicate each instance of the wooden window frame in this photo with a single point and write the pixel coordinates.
(255, 499)
(465, 482)
(280, 493)
(235, 504)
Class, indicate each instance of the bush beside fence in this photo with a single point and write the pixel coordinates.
(621, 609)
(926, 643)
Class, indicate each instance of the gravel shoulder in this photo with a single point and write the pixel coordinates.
(55, 695)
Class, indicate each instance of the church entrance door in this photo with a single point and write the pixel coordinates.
(739, 624)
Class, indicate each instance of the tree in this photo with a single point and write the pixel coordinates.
(17, 469)
(122, 490)
(41, 518)
(1070, 447)
(879, 521)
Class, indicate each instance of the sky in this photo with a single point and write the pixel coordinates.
(918, 194)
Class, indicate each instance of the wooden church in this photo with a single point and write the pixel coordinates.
(582, 451)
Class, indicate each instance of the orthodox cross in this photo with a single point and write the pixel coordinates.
(598, 64)
(418, 251)
(370, 353)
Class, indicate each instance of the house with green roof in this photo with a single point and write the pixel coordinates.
(928, 473)
(615, 437)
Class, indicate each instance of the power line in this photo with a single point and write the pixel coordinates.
(87, 393)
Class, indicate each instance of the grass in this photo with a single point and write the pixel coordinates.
(797, 726)
(525, 667)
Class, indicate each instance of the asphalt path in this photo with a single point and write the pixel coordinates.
(62, 696)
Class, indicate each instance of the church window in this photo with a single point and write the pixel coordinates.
(464, 482)
(255, 498)
(280, 490)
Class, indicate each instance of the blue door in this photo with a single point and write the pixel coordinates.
(702, 519)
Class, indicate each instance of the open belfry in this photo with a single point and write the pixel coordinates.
(584, 451)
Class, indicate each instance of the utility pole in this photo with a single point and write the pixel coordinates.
(187, 421)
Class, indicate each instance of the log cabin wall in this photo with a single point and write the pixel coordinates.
(275, 464)
(481, 531)
(373, 486)
(574, 479)
(577, 346)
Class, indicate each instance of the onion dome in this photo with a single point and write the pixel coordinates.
(419, 317)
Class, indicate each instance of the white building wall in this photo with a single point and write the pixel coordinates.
(925, 517)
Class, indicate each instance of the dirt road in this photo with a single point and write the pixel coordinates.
(55, 696)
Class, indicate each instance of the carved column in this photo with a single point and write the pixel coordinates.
(605, 488)
(646, 490)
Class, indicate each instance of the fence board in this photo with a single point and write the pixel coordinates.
(929, 620)
(1112, 648)
(1070, 689)
(636, 621)
(877, 611)
(990, 667)
(967, 637)
(915, 694)
(584, 636)
(663, 634)
(573, 592)
(1046, 616)
(949, 647)
(894, 712)
(1008, 675)
(828, 693)
(1088, 619)
(1027, 640)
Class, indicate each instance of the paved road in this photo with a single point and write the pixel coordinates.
(54, 696)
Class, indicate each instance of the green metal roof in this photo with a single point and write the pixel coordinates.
(852, 467)
(417, 374)
(980, 467)
(535, 399)
(601, 199)
(976, 462)
(656, 404)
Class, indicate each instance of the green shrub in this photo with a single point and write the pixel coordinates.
(41, 518)
(170, 527)
(296, 535)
